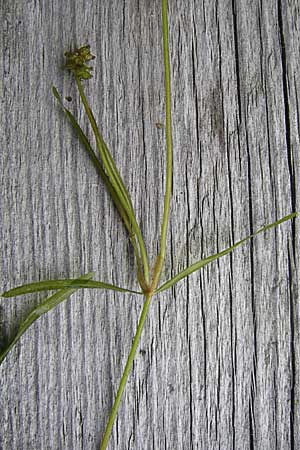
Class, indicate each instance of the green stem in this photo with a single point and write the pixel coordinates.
(168, 192)
(164, 228)
(126, 372)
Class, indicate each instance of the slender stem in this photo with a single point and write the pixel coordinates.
(169, 148)
(126, 372)
(164, 228)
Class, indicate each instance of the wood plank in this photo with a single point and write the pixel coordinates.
(218, 365)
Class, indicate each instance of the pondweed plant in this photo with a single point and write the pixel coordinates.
(77, 62)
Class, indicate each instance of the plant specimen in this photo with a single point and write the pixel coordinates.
(77, 62)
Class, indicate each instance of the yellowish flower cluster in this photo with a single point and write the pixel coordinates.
(76, 62)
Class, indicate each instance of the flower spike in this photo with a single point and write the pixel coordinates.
(76, 62)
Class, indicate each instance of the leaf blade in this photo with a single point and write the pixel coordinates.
(126, 212)
(85, 142)
(199, 264)
(71, 283)
(115, 178)
(82, 136)
(46, 305)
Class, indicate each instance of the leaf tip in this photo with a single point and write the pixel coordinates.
(55, 92)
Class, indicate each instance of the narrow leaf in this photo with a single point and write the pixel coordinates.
(76, 283)
(105, 155)
(123, 197)
(128, 219)
(38, 311)
(115, 178)
(82, 136)
(198, 265)
(84, 140)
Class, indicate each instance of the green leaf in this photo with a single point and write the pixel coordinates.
(38, 311)
(84, 140)
(82, 136)
(115, 179)
(125, 209)
(198, 265)
(76, 283)
(106, 158)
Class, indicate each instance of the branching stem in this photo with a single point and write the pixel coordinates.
(164, 228)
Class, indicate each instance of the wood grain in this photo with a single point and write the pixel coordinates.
(219, 362)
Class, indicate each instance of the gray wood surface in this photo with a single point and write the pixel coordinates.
(219, 361)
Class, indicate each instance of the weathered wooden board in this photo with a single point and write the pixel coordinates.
(219, 362)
